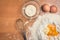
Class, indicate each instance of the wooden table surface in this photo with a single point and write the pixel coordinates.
(10, 11)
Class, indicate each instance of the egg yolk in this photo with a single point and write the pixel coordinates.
(52, 30)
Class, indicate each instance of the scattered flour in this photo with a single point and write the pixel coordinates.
(40, 24)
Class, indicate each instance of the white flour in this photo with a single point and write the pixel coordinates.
(40, 24)
(30, 10)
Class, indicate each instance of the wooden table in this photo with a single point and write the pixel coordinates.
(10, 11)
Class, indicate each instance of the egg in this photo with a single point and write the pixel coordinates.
(46, 8)
(52, 30)
(53, 9)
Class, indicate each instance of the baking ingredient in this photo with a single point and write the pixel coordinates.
(46, 27)
(53, 9)
(30, 10)
(52, 30)
(46, 8)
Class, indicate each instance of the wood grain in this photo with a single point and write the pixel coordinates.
(11, 10)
